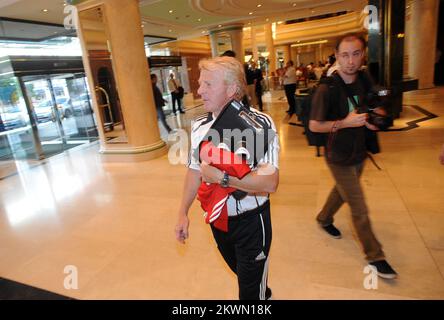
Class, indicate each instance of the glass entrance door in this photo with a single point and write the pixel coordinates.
(62, 111)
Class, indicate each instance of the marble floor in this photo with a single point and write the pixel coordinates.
(111, 224)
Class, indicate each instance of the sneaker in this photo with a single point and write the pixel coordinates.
(332, 231)
(384, 269)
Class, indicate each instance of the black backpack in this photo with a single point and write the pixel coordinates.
(314, 138)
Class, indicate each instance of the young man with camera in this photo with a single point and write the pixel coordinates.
(346, 121)
(246, 244)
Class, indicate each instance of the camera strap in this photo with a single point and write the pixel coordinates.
(347, 90)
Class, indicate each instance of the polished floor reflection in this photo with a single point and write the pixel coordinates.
(113, 222)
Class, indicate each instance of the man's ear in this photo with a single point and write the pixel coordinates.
(231, 90)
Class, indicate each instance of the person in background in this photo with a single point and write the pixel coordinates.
(258, 77)
(229, 53)
(160, 102)
(173, 86)
(289, 81)
(250, 76)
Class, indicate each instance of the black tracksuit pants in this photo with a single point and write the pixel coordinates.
(290, 90)
(245, 248)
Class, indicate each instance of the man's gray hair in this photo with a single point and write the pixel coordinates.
(233, 72)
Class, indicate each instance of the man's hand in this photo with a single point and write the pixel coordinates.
(371, 126)
(181, 229)
(354, 120)
(380, 110)
(210, 174)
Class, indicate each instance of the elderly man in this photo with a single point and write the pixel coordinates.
(246, 245)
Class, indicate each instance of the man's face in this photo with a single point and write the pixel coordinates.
(350, 56)
(213, 90)
(154, 80)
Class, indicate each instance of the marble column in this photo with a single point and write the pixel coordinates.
(286, 49)
(421, 37)
(213, 42)
(254, 48)
(237, 42)
(122, 20)
(270, 47)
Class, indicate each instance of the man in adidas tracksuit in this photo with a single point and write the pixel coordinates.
(246, 245)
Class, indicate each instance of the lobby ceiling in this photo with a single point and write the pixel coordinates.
(184, 19)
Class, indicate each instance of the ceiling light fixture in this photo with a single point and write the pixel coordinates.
(259, 5)
(45, 10)
(199, 19)
(171, 11)
(219, 25)
(250, 13)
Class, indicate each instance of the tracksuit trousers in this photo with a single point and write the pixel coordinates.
(245, 248)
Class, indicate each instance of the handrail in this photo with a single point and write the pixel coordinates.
(98, 88)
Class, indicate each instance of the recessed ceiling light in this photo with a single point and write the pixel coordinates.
(250, 13)
(267, 19)
(203, 31)
(171, 11)
(280, 22)
(45, 10)
(219, 25)
(259, 5)
(249, 23)
(170, 30)
(199, 19)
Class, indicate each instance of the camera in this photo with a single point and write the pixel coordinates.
(377, 98)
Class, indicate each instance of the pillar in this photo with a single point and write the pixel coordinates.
(421, 37)
(237, 45)
(270, 48)
(254, 49)
(214, 46)
(286, 50)
(386, 49)
(122, 20)
(294, 55)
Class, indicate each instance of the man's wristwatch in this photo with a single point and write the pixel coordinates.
(224, 181)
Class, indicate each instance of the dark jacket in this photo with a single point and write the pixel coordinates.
(158, 98)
